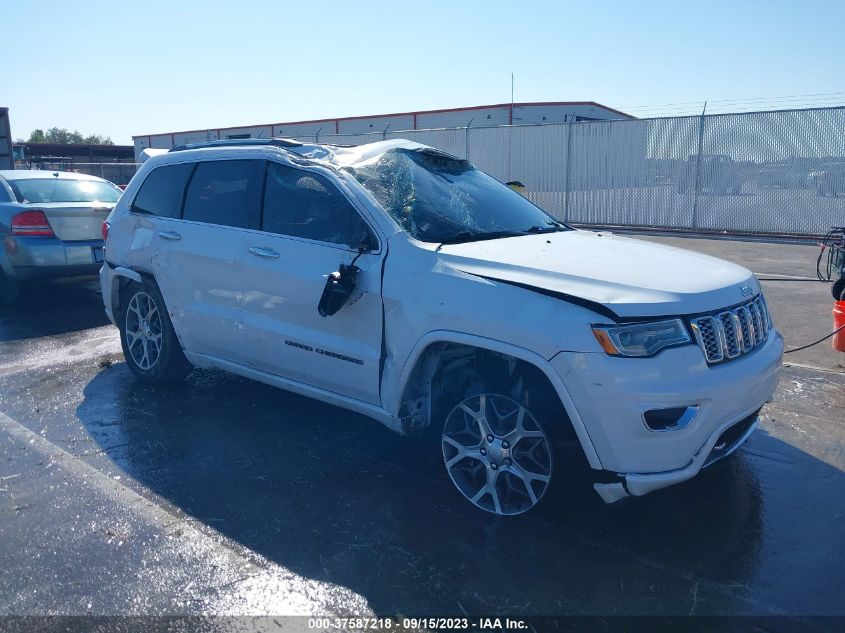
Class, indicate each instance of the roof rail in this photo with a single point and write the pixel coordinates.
(274, 142)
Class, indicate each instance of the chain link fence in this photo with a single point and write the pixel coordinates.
(777, 172)
(118, 173)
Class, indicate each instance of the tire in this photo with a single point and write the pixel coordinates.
(497, 453)
(8, 290)
(838, 290)
(152, 351)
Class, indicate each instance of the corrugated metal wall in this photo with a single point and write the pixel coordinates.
(478, 116)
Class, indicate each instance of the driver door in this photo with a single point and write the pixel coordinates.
(308, 227)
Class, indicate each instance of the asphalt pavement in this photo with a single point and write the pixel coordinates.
(224, 496)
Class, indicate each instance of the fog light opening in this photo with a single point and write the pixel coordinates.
(670, 419)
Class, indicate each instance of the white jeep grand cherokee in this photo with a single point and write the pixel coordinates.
(402, 283)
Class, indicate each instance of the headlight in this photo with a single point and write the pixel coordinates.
(641, 339)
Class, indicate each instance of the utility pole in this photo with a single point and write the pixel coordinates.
(466, 138)
(510, 118)
(698, 168)
(510, 132)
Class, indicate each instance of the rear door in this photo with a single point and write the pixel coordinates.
(195, 251)
(308, 228)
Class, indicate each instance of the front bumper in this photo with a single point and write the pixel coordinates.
(721, 443)
(610, 395)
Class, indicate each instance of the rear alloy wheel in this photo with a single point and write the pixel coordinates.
(149, 342)
(497, 454)
(143, 331)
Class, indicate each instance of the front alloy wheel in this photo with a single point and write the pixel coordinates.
(497, 454)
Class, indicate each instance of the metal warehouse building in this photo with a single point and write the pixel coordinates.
(474, 116)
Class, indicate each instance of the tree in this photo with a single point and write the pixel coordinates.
(96, 139)
(62, 136)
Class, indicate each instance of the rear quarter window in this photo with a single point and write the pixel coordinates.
(163, 190)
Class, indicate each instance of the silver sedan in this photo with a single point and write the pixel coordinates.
(51, 225)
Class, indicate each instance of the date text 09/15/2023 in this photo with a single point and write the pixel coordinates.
(410, 623)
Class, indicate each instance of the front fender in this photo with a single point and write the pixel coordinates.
(392, 397)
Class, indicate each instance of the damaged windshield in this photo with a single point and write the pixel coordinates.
(439, 198)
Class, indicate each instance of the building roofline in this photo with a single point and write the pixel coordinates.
(85, 145)
(393, 114)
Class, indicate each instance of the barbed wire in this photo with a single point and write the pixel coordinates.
(721, 106)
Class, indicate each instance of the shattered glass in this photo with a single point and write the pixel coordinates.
(439, 198)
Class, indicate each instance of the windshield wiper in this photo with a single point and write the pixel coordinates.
(464, 236)
(470, 236)
(552, 227)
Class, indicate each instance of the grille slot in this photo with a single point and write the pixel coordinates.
(708, 339)
(732, 333)
(756, 321)
(764, 315)
(731, 342)
(746, 329)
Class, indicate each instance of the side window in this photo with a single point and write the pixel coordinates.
(162, 191)
(4, 194)
(220, 192)
(303, 204)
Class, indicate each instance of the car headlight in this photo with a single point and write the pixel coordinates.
(641, 339)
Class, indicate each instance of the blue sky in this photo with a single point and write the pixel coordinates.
(124, 68)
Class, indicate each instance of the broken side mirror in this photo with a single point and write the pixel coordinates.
(338, 289)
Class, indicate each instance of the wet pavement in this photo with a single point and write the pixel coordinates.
(223, 496)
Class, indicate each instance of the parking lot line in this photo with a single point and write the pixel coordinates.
(254, 570)
(788, 363)
(782, 276)
(102, 481)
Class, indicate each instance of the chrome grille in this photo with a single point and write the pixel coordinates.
(732, 333)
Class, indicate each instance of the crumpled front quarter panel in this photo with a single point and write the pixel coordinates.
(423, 295)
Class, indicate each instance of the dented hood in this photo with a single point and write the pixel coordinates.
(630, 278)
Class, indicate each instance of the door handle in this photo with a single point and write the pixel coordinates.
(170, 235)
(263, 252)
